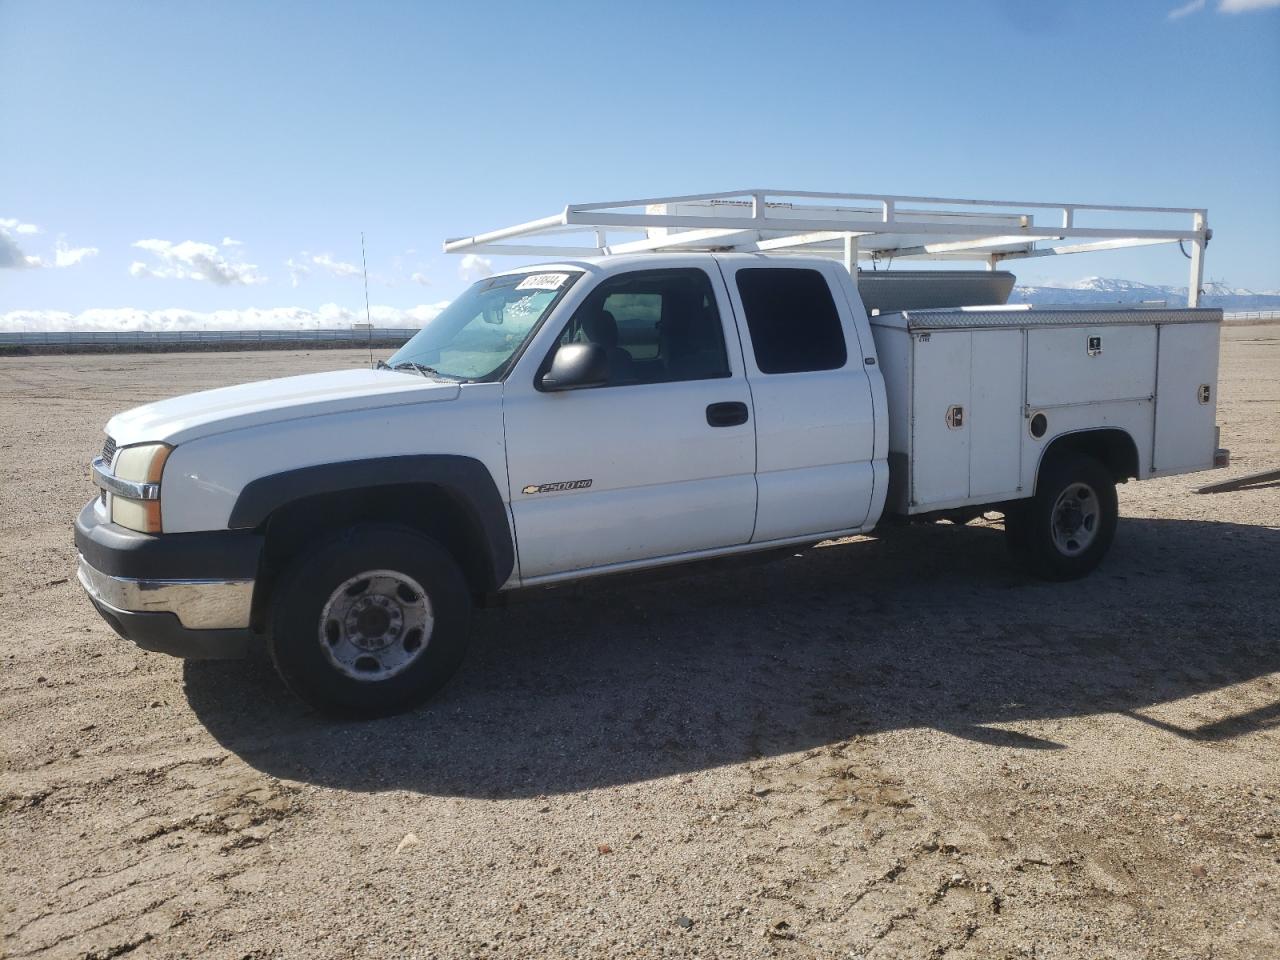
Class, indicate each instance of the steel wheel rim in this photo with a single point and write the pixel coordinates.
(375, 625)
(1077, 514)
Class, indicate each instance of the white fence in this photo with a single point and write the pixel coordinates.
(148, 337)
(1252, 316)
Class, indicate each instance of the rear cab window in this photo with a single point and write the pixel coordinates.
(792, 318)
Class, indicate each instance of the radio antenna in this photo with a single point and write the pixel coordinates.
(368, 317)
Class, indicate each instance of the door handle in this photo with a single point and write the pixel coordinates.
(729, 414)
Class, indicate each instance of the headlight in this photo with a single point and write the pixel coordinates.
(143, 463)
(140, 467)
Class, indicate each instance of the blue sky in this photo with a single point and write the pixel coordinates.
(291, 127)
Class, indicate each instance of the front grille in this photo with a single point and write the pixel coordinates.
(108, 451)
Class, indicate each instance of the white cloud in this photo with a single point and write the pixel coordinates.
(229, 242)
(16, 226)
(297, 270)
(1224, 6)
(339, 268)
(475, 267)
(304, 264)
(409, 267)
(192, 260)
(1195, 6)
(329, 316)
(68, 256)
(13, 257)
(1245, 6)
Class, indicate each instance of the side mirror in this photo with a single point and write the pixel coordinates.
(577, 365)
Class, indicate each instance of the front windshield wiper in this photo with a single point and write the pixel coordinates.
(421, 368)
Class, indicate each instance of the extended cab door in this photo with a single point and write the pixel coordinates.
(814, 416)
(661, 460)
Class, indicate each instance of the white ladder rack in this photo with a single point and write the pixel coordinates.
(851, 227)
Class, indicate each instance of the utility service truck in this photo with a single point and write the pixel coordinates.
(715, 385)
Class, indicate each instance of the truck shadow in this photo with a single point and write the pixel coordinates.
(620, 681)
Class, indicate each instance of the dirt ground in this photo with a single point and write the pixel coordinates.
(898, 747)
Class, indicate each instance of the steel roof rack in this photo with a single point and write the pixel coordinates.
(851, 227)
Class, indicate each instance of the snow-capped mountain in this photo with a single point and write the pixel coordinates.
(1113, 290)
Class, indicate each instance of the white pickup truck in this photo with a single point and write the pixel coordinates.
(593, 416)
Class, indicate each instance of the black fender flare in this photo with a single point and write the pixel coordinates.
(467, 481)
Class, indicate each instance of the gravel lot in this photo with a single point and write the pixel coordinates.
(898, 747)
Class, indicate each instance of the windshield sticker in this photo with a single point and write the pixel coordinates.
(523, 307)
(543, 281)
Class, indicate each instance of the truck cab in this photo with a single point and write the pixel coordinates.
(719, 434)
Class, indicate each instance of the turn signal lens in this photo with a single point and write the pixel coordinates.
(140, 515)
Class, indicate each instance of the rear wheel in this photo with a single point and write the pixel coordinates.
(1064, 531)
(371, 623)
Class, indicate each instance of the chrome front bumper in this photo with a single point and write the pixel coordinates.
(198, 604)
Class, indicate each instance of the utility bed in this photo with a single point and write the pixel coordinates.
(983, 387)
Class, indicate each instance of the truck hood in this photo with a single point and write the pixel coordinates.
(193, 415)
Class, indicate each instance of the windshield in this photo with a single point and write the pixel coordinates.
(478, 336)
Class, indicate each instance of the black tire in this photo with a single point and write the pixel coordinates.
(1073, 490)
(312, 581)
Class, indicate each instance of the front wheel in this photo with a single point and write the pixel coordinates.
(372, 622)
(1064, 531)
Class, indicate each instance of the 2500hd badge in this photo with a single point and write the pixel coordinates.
(557, 487)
